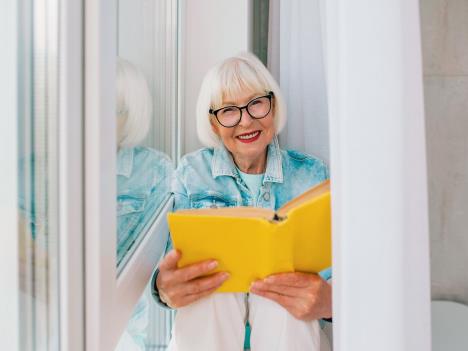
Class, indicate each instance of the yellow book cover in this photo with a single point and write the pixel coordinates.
(251, 243)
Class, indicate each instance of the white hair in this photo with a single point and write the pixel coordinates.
(133, 104)
(230, 78)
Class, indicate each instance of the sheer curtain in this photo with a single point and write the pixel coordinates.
(296, 59)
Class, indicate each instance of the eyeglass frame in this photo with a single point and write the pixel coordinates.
(270, 95)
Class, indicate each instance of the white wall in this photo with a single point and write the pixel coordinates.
(211, 31)
(445, 55)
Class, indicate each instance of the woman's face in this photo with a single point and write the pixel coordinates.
(247, 141)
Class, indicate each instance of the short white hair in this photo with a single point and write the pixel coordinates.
(133, 104)
(230, 78)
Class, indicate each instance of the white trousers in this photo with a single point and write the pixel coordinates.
(217, 323)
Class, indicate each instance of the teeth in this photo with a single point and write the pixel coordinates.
(248, 136)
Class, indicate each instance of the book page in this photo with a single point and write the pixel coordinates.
(241, 211)
(310, 194)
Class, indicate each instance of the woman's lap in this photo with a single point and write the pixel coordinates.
(218, 323)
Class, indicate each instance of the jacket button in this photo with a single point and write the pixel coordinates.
(266, 196)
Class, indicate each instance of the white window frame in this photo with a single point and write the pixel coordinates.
(9, 258)
(70, 156)
(110, 297)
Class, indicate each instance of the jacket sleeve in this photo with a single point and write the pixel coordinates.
(181, 201)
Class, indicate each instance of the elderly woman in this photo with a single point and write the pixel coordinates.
(240, 112)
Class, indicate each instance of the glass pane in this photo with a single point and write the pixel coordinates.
(149, 328)
(38, 106)
(261, 10)
(146, 115)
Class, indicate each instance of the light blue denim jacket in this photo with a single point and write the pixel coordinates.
(209, 178)
(143, 182)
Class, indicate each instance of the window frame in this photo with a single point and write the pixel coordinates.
(71, 184)
(110, 296)
(9, 256)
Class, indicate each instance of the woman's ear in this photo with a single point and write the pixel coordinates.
(214, 127)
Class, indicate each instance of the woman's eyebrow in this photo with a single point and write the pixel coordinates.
(248, 99)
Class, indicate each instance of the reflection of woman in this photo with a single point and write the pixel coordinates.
(143, 174)
(239, 113)
(143, 180)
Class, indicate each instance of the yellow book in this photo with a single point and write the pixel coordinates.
(251, 243)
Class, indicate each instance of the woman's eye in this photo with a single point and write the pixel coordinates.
(228, 110)
(257, 102)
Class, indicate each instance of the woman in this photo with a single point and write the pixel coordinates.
(240, 111)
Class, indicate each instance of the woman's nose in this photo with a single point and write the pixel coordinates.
(246, 119)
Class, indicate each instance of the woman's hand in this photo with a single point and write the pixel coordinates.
(179, 287)
(305, 296)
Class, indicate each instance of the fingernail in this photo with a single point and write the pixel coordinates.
(225, 275)
(253, 286)
(212, 264)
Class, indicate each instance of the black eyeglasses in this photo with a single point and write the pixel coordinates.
(230, 116)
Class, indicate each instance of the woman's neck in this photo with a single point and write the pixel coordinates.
(251, 166)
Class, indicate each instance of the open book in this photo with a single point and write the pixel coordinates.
(251, 243)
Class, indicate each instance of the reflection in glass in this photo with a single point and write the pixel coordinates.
(133, 338)
(143, 181)
(38, 175)
(143, 174)
(147, 109)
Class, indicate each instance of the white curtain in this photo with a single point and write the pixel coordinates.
(296, 59)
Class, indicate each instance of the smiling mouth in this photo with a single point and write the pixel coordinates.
(249, 136)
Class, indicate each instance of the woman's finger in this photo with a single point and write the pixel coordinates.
(188, 299)
(194, 270)
(286, 301)
(186, 293)
(296, 279)
(199, 285)
(290, 291)
(169, 262)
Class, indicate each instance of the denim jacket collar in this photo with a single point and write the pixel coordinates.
(223, 164)
(125, 162)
